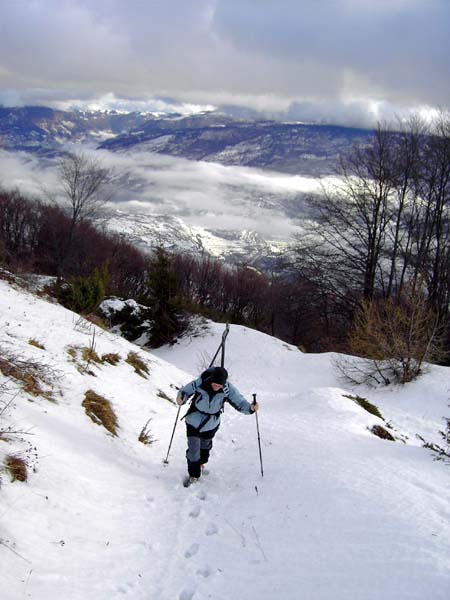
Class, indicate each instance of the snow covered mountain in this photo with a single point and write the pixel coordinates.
(212, 136)
(236, 247)
(44, 131)
(339, 513)
(285, 147)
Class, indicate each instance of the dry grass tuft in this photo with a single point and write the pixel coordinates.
(164, 396)
(9, 369)
(72, 352)
(89, 355)
(138, 364)
(111, 358)
(382, 433)
(99, 409)
(17, 468)
(28, 374)
(32, 385)
(83, 357)
(146, 437)
(37, 344)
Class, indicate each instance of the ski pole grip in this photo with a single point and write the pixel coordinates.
(254, 398)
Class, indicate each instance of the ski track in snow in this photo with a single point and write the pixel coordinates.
(339, 513)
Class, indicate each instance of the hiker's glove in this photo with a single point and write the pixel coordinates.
(180, 398)
(255, 406)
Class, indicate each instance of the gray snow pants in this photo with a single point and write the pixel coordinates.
(199, 447)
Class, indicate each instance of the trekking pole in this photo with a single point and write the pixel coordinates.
(166, 460)
(221, 348)
(259, 439)
(224, 337)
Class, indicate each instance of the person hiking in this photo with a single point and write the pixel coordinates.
(209, 391)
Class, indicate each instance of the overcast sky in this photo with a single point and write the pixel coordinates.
(332, 59)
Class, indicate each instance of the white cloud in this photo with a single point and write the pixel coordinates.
(203, 194)
(150, 105)
(26, 172)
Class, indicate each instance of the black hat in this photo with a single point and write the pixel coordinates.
(219, 375)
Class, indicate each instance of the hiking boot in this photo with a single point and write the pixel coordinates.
(189, 481)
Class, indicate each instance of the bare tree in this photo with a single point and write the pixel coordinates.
(85, 186)
(434, 245)
(407, 150)
(387, 223)
(344, 242)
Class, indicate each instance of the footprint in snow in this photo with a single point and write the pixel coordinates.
(202, 495)
(126, 587)
(191, 551)
(195, 512)
(211, 529)
(186, 594)
(205, 571)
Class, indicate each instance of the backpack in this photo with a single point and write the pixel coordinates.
(193, 408)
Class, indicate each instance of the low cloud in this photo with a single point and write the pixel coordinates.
(207, 195)
(363, 113)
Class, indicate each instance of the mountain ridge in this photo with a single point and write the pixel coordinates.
(287, 147)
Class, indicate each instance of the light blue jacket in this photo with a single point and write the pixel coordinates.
(206, 415)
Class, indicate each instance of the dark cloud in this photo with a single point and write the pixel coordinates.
(265, 53)
(400, 48)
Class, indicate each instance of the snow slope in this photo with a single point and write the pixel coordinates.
(339, 513)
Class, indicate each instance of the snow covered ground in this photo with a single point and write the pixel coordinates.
(339, 514)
